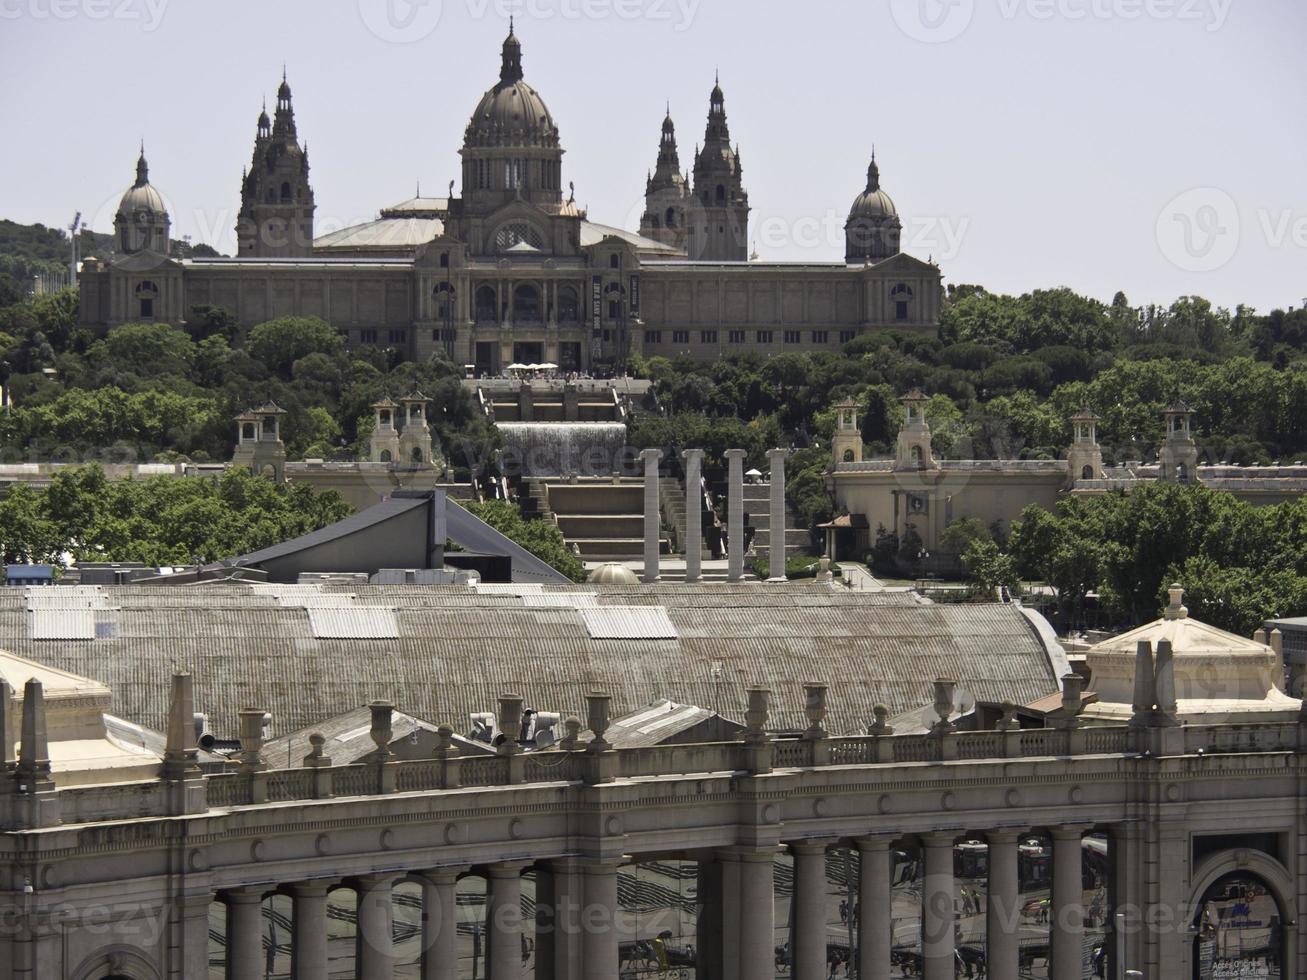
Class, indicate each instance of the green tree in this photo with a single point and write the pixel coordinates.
(541, 538)
(279, 343)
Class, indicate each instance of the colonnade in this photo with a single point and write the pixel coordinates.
(577, 914)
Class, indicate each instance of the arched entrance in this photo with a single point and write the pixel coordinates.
(1242, 899)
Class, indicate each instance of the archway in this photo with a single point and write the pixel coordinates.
(1243, 899)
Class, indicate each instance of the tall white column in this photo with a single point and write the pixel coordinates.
(600, 960)
(1068, 929)
(1002, 906)
(735, 515)
(440, 924)
(875, 908)
(693, 513)
(808, 940)
(308, 951)
(559, 933)
(776, 550)
(504, 921)
(374, 942)
(757, 922)
(652, 517)
(245, 934)
(938, 940)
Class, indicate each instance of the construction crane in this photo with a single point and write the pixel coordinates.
(72, 238)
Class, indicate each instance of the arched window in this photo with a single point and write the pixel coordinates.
(385, 416)
(487, 305)
(916, 455)
(146, 293)
(670, 218)
(385, 455)
(526, 303)
(1182, 473)
(1087, 473)
(247, 430)
(848, 455)
(444, 260)
(272, 196)
(901, 296)
(517, 233)
(614, 261)
(1239, 931)
(721, 194)
(415, 456)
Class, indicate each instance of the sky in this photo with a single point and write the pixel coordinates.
(1151, 146)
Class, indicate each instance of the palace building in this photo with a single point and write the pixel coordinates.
(513, 270)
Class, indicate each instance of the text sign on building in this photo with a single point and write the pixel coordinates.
(596, 317)
(635, 296)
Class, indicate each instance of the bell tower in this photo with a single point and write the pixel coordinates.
(914, 449)
(720, 232)
(1085, 458)
(667, 195)
(846, 445)
(1179, 454)
(276, 217)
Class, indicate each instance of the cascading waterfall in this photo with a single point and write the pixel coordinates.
(563, 449)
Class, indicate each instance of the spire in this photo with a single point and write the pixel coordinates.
(873, 174)
(142, 168)
(511, 69)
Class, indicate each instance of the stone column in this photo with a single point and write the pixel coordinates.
(308, 951)
(776, 550)
(757, 923)
(937, 916)
(504, 922)
(439, 924)
(875, 908)
(245, 933)
(808, 940)
(558, 928)
(1068, 929)
(735, 515)
(600, 914)
(693, 513)
(652, 516)
(1002, 905)
(374, 935)
(708, 919)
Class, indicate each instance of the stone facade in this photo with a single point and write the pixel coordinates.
(513, 270)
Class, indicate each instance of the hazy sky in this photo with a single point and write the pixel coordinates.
(1155, 146)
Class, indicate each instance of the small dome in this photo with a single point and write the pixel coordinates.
(283, 91)
(264, 121)
(142, 201)
(873, 203)
(613, 573)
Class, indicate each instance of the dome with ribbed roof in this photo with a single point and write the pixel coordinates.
(512, 114)
(142, 222)
(141, 199)
(873, 230)
(873, 202)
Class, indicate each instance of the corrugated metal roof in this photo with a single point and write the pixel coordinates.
(353, 623)
(63, 624)
(628, 623)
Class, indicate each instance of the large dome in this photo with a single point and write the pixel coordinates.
(873, 203)
(512, 114)
(142, 202)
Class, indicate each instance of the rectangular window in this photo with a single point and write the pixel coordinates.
(397, 337)
(737, 336)
(820, 336)
(442, 336)
(708, 336)
(680, 336)
(792, 336)
(846, 336)
(367, 336)
(608, 336)
(764, 336)
(653, 336)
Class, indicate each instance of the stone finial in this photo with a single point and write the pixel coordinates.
(1176, 609)
(944, 691)
(1145, 697)
(597, 706)
(814, 707)
(316, 757)
(1073, 688)
(181, 754)
(755, 718)
(251, 732)
(381, 732)
(34, 750)
(1007, 721)
(444, 742)
(510, 723)
(572, 728)
(880, 721)
(1164, 683)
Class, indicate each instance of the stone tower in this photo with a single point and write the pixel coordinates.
(873, 231)
(914, 450)
(142, 223)
(667, 196)
(384, 444)
(258, 442)
(720, 232)
(276, 216)
(846, 445)
(1179, 454)
(415, 437)
(1084, 460)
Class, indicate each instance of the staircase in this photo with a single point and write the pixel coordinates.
(757, 504)
(602, 519)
